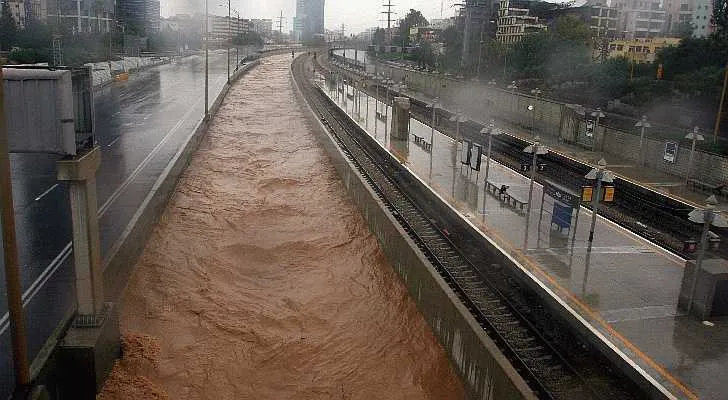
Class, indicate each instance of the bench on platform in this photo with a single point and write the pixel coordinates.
(709, 186)
(501, 191)
(516, 201)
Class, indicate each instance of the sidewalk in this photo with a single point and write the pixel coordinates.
(262, 280)
(623, 286)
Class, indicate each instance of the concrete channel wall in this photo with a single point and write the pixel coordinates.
(485, 372)
(550, 120)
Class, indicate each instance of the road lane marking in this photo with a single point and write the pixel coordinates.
(51, 269)
(38, 284)
(44, 194)
(113, 142)
(105, 207)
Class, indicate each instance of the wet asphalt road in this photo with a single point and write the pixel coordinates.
(140, 125)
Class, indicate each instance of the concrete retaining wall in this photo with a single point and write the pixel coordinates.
(483, 100)
(485, 372)
(103, 72)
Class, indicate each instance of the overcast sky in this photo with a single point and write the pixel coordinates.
(356, 15)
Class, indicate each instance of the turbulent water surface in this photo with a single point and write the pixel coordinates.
(262, 280)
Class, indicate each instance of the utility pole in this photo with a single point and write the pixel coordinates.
(280, 26)
(389, 13)
(720, 106)
(464, 59)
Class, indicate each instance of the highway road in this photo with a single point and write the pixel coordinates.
(140, 124)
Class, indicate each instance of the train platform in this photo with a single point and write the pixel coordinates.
(622, 286)
(626, 169)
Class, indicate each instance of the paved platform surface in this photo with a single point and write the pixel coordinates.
(625, 287)
(626, 169)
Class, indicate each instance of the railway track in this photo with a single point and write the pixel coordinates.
(651, 215)
(554, 363)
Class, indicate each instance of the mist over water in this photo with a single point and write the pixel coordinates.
(262, 280)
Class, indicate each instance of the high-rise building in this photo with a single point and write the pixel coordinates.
(641, 18)
(79, 16)
(515, 21)
(263, 27)
(140, 17)
(309, 19)
(694, 13)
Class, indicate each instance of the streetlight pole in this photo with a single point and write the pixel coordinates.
(695, 136)
(720, 105)
(642, 124)
(599, 115)
(707, 217)
(532, 109)
(536, 149)
(491, 132)
(206, 36)
(457, 118)
(13, 283)
(432, 125)
(600, 174)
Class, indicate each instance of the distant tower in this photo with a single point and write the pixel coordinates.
(309, 20)
(388, 13)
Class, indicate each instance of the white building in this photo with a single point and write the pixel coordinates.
(515, 23)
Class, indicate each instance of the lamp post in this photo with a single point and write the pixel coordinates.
(642, 124)
(599, 115)
(433, 105)
(532, 109)
(707, 217)
(457, 118)
(600, 174)
(490, 131)
(695, 136)
(720, 105)
(535, 149)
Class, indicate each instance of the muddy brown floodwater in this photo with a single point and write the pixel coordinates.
(262, 280)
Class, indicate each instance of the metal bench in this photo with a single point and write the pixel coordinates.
(516, 201)
(501, 191)
(709, 186)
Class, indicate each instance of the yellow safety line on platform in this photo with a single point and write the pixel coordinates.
(593, 315)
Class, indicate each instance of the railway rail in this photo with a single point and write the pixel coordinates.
(554, 362)
(652, 215)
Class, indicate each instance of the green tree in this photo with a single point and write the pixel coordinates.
(720, 18)
(452, 39)
(8, 27)
(379, 37)
(683, 30)
(413, 18)
(558, 55)
(571, 29)
(425, 55)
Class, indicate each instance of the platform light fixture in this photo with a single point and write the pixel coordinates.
(642, 124)
(599, 174)
(693, 136)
